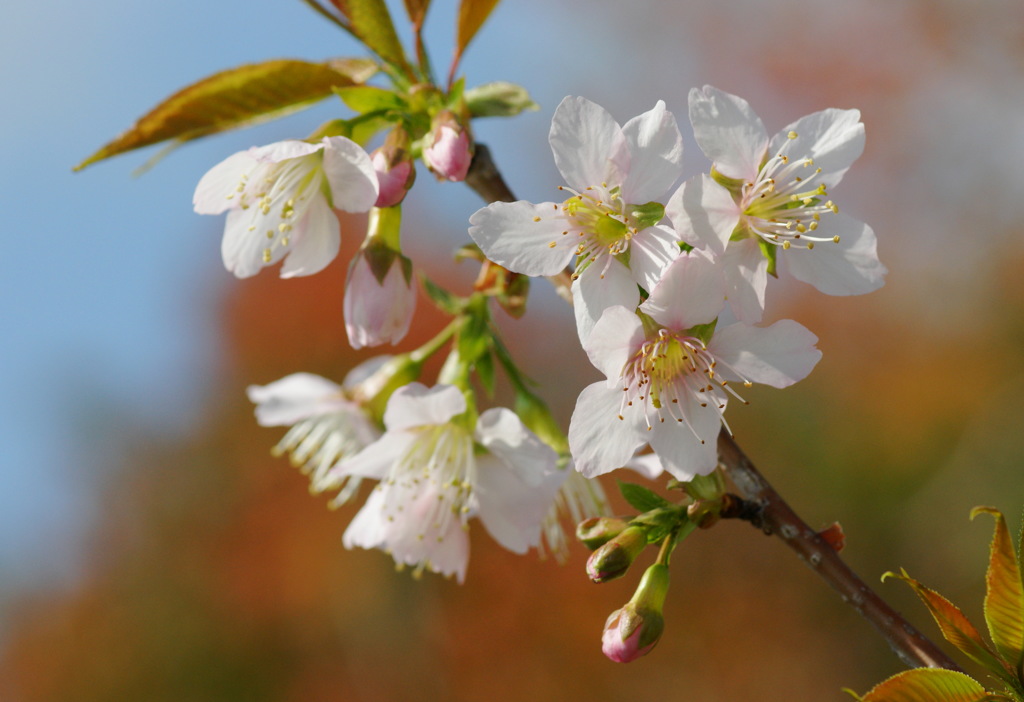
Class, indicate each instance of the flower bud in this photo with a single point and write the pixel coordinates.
(614, 558)
(448, 150)
(394, 167)
(597, 531)
(635, 629)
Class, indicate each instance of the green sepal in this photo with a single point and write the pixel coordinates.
(704, 332)
(370, 98)
(484, 367)
(447, 302)
(771, 252)
(647, 214)
(641, 498)
(661, 522)
(453, 101)
(499, 99)
(474, 339)
(733, 185)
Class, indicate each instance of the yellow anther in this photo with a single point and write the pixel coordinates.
(801, 228)
(285, 241)
(536, 219)
(266, 255)
(792, 135)
(810, 245)
(785, 244)
(552, 245)
(270, 234)
(835, 239)
(812, 226)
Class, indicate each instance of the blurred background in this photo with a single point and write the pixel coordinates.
(151, 549)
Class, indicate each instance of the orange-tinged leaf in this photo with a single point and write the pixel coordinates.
(929, 685)
(237, 97)
(1004, 591)
(956, 628)
(417, 10)
(371, 22)
(472, 15)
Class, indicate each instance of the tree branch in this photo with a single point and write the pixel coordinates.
(776, 517)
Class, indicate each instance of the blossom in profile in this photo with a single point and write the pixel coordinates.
(437, 471)
(635, 629)
(769, 199)
(669, 372)
(610, 225)
(380, 297)
(326, 425)
(279, 200)
(449, 151)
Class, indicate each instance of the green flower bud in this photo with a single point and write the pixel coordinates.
(614, 558)
(597, 531)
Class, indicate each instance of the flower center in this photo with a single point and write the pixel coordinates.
(784, 206)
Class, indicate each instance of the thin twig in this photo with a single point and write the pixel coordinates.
(775, 516)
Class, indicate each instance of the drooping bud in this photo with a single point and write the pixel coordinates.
(597, 531)
(448, 150)
(614, 558)
(635, 629)
(380, 297)
(395, 170)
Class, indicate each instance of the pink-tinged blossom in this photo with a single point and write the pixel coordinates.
(395, 179)
(279, 200)
(436, 473)
(668, 383)
(326, 425)
(610, 225)
(450, 151)
(380, 297)
(635, 629)
(775, 193)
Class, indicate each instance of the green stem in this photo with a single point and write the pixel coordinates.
(434, 345)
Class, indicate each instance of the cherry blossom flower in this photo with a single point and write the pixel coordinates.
(380, 297)
(434, 478)
(326, 426)
(279, 199)
(610, 224)
(668, 383)
(450, 151)
(765, 196)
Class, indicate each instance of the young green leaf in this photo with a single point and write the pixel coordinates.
(956, 628)
(444, 300)
(371, 22)
(929, 685)
(369, 98)
(498, 99)
(642, 499)
(235, 98)
(1004, 592)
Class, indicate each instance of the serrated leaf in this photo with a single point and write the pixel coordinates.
(955, 627)
(238, 97)
(1004, 591)
(369, 98)
(498, 99)
(642, 499)
(371, 22)
(929, 685)
(472, 15)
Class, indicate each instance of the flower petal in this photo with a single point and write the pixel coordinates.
(599, 441)
(704, 213)
(295, 397)
(503, 433)
(779, 355)
(518, 236)
(588, 144)
(314, 242)
(728, 132)
(647, 465)
(656, 155)
(350, 174)
(650, 253)
(375, 461)
(680, 450)
(217, 190)
(592, 294)
(746, 279)
(243, 246)
(615, 338)
(283, 150)
(833, 138)
(416, 405)
(850, 267)
(511, 508)
(691, 292)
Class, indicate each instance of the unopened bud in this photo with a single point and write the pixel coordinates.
(635, 629)
(449, 150)
(614, 558)
(394, 167)
(597, 531)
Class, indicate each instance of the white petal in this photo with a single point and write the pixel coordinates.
(680, 450)
(283, 150)
(615, 338)
(217, 190)
(415, 405)
(243, 245)
(599, 441)
(704, 213)
(656, 155)
(728, 132)
(501, 432)
(350, 174)
(647, 465)
(746, 279)
(833, 138)
(369, 527)
(650, 253)
(588, 144)
(850, 267)
(377, 312)
(511, 508)
(778, 355)
(375, 461)
(592, 294)
(294, 397)
(314, 241)
(510, 234)
(691, 292)
(363, 371)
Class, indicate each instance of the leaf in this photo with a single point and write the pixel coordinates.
(956, 628)
(1004, 591)
(369, 98)
(372, 23)
(444, 300)
(929, 685)
(642, 499)
(235, 98)
(417, 10)
(472, 15)
(499, 99)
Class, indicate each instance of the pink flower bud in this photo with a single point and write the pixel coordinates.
(635, 629)
(395, 179)
(379, 297)
(449, 152)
